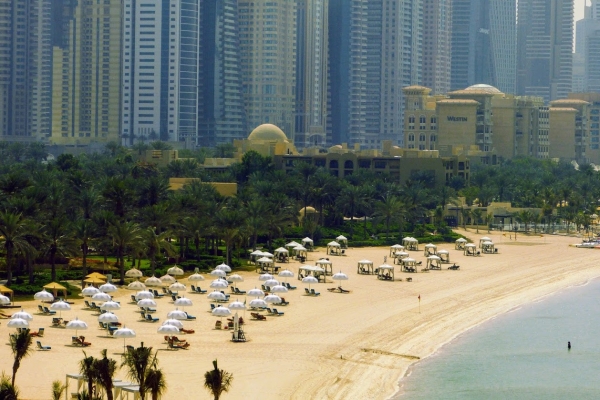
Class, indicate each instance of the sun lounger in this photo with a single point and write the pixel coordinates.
(212, 306)
(331, 289)
(283, 302)
(149, 310)
(188, 331)
(307, 291)
(150, 318)
(87, 304)
(238, 291)
(190, 316)
(41, 309)
(290, 287)
(258, 316)
(82, 341)
(175, 297)
(312, 292)
(165, 291)
(343, 290)
(269, 310)
(40, 347)
(58, 322)
(130, 347)
(173, 345)
(39, 333)
(278, 313)
(199, 290)
(156, 294)
(133, 299)
(455, 267)
(93, 306)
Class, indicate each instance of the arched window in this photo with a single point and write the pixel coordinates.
(411, 138)
(348, 164)
(333, 164)
(422, 121)
(432, 138)
(421, 138)
(434, 119)
(411, 119)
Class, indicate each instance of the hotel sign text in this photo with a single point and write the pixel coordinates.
(457, 119)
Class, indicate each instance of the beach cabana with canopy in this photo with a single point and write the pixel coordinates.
(343, 241)
(308, 243)
(290, 246)
(310, 270)
(410, 243)
(444, 256)
(483, 240)
(470, 249)
(488, 247)
(255, 255)
(399, 256)
(282, 254)
(385, 272)
(8, 292)
(94, 281)
(365, 267)
(264, 264)
(460, 244)
(56, 287)
(434, 262)
(409, 265)
(395, 248)
(326, 265)
(301, 252)
(97, 275)
(430, 250)
(334, 248)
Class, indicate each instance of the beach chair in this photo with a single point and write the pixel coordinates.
(290, 287)
(343, 290)
(283, 302)
(269, 310)
(149, 310)
(175, 297)
(75, 340)
(82, 342)
(57, 322)
(190, 316)
(156, 294)
(258, 316)
(40, 347)
(130, 347)
(307, 291)
(87, 304)
(238, 291)
(48, 311)
(264, 288)
(187, 331)
(39, 333)
(278, 313)
(454, 267)
(177, 346)
(41, 309)
(93, 306)
(212, 306)
(133, 299)
(150, 318)
(312, 291)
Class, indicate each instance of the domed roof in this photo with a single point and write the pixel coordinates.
(309, 210)
(481, 87)
(268, 132)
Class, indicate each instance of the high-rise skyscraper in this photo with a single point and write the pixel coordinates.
(311, 72)
(484, 44)
(160, 70)
(268, 59)
(221, 109)
(86, 88)
(545, 46)
(586, 67)
(437, 44)
(25, 69)
(375, 50)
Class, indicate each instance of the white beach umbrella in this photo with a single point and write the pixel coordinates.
(22, 315)
(136, 285)
(340, 276)
(271, 282)
(4, 300)
(110, 305)
(183, 302)
(108, 288)
(310, 280)
(167, 279)
(257, 303)
(218, 272)
(77, 325)
(43, 296)
(134, 273)
(286, 273)
(168, 329)
(237, 305)
(18, 323)
(124, 333)
(195, 278)
(177, 287)
(219, 284)
(279, 289)
(144, 294)
(223, 267)
(153, 281)
(221, 311)
(173, 322)
(235, 278)
(60, 306)
(146, 303)
(255, 292)
(265, 277)
(177, 314)
(175, 271)
(101, 296)
(272, 298)
(107, 318)
(89, 291)
(216, 296)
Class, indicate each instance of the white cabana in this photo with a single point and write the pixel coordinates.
(308, 270)
(365, 267)
(487, 247)
(255, 255)
(290, 246)
(410, 265)
(444, 256)
(483, 240)
(308, 243)
(334, 248)
(343, 241)
(434, 262)
(395, 248)
(430, 250)
(470, 249)
(264, 264)
(301, 253)
(326, 265)
(410, 243)
(386, 272)
(460, 244)
(399, 256)
(282, 254)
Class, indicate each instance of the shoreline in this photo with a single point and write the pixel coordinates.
(411, 367)
(334, 346)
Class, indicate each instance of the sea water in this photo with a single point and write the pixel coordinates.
(520, 355)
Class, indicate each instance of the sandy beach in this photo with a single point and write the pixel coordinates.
(334, 346)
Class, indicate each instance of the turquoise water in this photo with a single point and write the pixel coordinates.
(520, 355)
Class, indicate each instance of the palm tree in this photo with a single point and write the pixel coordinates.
(217, 381)
(14, 230)
(89, 373)
(477, 213)
(139, 362)
(105, 369)
(83, 231)
(58, 240)
(465, 214)
(156, 383)
(349, 200)
(124, 235)
(228, 223)
(7, 390)
(20, 344)
(155, 243)
(256, 222)
(57, 390)
(388, 208)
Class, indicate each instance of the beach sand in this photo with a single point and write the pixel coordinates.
(334, 346)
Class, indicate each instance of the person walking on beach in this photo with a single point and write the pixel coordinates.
(569, 345)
